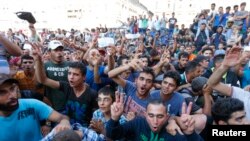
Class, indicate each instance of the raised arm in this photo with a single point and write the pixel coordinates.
(231, 59)
(91, 46)
(207, 91)
(114, 74)
(96, 63)
(111, 60)
(34, 36)
(158, 67)
(40, 72)
(11, 48)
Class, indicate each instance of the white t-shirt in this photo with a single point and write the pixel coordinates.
(140, 23)
(244, 96)
(150, 24)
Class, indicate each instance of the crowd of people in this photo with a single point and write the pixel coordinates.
(161, 83)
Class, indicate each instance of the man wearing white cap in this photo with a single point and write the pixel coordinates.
(56, 69)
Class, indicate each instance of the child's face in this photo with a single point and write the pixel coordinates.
(104, 102)
(221, 46)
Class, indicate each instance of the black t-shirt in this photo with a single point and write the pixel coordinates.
(189, 97)
(172, 22)
(79, 109)
(177, 68)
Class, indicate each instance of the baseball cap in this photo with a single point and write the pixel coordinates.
(198, 83)
(6, 78)
(54, 44)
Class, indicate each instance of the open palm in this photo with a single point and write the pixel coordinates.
(233, 57)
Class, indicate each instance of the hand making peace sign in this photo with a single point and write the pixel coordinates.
(117, 107)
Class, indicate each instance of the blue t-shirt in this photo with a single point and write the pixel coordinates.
(174, 104)
(133, 76)
(132, 102)
(216, 20)
(224, 19)
(24, 123)
(245, 79)
(90, 78)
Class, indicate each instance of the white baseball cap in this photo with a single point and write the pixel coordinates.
(54, 44)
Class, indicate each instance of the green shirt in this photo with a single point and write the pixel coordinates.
(57, 72)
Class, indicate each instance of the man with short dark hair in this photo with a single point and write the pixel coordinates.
(192, 70)
(207, 52)
(203, 61)
(80, 98)
(151, 127)
(229, 111)
(226, 16)
(137, 93)
(23, 115)
(56, 69)
(28, 84)
(173, 100)
(182, 62)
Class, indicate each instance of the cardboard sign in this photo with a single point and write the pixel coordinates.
(132, 36)
(106, 41)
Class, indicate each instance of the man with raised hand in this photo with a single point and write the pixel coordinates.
(232, 59)
(56, 69)
(137, 94)
(6, 46)
(152, 126)
(80, 98)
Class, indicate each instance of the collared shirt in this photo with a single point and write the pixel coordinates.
(88, 134)
(98, 115)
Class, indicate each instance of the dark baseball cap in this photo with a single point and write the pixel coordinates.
(198, 83)
(6, 78)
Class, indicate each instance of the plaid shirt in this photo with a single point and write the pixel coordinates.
(98, 115)
(88, 134)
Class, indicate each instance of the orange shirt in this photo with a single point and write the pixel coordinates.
(191, 57)
(27, 83)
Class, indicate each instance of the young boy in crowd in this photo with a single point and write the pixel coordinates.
(106, 97)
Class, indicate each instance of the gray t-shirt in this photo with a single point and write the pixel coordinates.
(237, 14)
